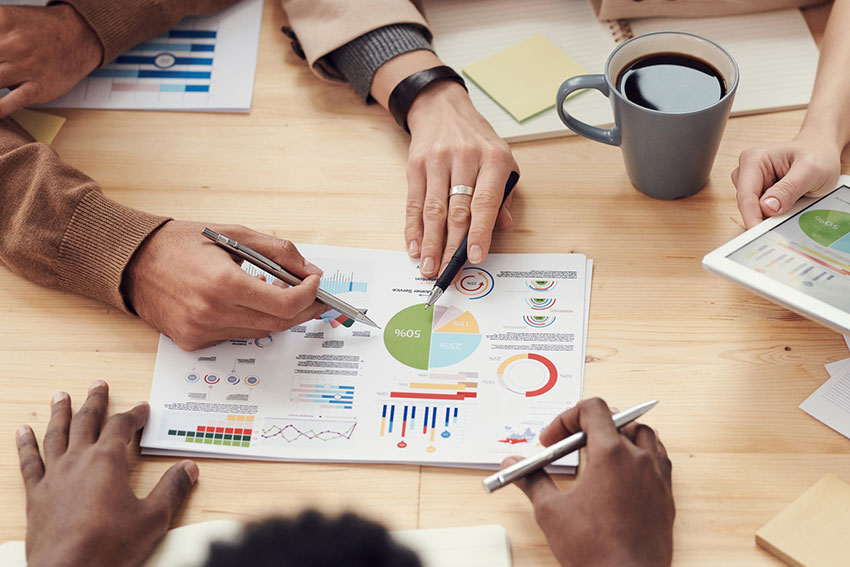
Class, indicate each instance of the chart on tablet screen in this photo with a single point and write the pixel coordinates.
(809, 252)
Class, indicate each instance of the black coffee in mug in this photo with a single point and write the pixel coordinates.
(671, 82)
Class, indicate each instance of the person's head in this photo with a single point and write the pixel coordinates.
(313, 540)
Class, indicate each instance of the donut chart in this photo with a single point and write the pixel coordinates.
(528, 375)
(475, 282)
(431, 338)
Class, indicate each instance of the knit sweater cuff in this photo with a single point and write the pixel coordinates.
(97, 246)
(117, 24)
(360, 59)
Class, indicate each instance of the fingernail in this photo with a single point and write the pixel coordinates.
(614, 410)
(22, 431)
(96, 384)
(413, 248)
(772, 203)
(476, 254)
(58, 397)
(191, 470)
(428, 266)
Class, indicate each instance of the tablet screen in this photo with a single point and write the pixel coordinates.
(809, 252)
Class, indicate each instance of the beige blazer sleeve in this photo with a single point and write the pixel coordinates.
(625, 9)
(324, 25)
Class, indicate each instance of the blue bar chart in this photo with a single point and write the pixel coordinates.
(205, 63)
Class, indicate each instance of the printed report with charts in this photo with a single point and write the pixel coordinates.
(465, 383)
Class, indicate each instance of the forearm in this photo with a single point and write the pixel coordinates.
(56, 226)
(120, 25)
(828, 115)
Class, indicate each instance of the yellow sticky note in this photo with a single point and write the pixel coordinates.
(41, 125)
(812, 530)
(524, 78)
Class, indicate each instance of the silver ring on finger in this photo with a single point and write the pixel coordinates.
(461, 190)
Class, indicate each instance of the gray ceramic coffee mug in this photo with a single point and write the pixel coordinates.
(668, 155)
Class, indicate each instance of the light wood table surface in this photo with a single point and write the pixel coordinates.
(730, 368)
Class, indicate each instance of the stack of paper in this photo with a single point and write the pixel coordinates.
(466, 383)
(830, 404)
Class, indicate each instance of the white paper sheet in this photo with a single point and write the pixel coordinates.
(203, 64)
(468, 383)
(836, 367)
(830, 404)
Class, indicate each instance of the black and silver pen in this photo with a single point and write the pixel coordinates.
(459, 257)
(557, 450)
(277, 271)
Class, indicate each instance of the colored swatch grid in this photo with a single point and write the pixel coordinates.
(179, 61)
(335, 319)
(235, 431)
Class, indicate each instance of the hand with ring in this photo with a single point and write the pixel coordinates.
(456, 175)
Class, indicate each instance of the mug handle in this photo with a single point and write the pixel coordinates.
(610, 136)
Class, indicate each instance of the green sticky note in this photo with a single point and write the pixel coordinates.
(524, 78)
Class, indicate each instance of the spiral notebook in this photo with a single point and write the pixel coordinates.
(775, 51)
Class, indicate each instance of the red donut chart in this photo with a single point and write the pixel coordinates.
(529, 382)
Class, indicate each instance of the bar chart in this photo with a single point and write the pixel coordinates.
(322, 394)
(205, 63)
(421, 424)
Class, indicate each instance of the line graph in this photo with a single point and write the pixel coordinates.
(290, 430)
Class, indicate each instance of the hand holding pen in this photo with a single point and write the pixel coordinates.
(620, 510)
(458, 259)
(197, 295)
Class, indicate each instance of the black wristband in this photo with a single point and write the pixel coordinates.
(403, 95)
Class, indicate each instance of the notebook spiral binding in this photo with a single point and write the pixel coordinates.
(621, 30)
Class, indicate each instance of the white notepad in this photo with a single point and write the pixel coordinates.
(187, 546)
(775, 51)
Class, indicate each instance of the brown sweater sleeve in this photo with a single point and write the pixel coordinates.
(122, 24)
(56, 226)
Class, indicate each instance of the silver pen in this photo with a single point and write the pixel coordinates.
(557, 450)
(277, 271)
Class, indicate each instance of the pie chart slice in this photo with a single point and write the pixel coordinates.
(529, 375)
(825, 226)
(431, 338)
(451, 348)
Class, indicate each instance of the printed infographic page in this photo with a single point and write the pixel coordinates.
(466, 382)
(809, 252)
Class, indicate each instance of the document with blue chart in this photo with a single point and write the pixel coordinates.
(466, 383)
(203, 64)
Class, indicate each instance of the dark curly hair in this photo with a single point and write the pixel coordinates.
(313, 540)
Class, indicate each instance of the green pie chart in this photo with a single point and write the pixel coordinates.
(825, 226)
(431, 338)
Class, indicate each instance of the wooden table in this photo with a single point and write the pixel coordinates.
(729, 367)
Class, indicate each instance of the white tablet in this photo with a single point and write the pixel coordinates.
(800, 260)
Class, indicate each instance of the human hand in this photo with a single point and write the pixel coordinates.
(80, 508)
(45, 52)
(452, 144)
(193, 291)
(769, 179)
(621, 511)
